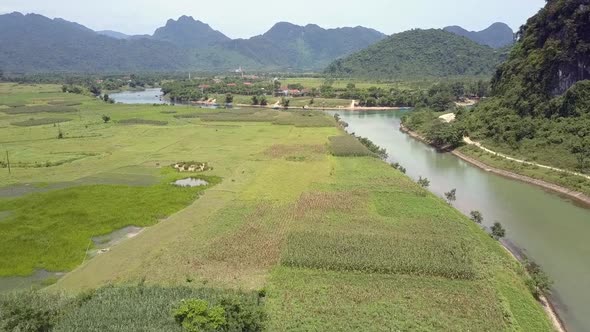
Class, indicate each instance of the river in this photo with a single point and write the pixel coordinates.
(551, 230)
(147, 96)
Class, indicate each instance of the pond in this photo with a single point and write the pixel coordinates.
(190, 182)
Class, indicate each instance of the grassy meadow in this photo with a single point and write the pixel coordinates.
(334, 238)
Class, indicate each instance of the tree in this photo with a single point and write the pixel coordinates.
(477, 217)
(498, 231)
(64, 88)
(423, 182)
(277, 85)
(539, 282)
(263, 101)
(106, 98)
(581, 149)
(285, 102)
(229, 98)
(451, 196)
(442, 134)
(255, 100)
(106, 118)
(1, 75)
(95, 90)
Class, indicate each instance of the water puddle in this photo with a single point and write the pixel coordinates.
(41, 278)
(190, 182)
(103, 243)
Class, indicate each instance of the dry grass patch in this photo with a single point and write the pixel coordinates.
(258, 242)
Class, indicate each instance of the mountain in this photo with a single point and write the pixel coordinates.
(113, 34)
(186, 32)
(419, 53)
(498, 35)
(310, 47)
(34, 43)
(541, 94)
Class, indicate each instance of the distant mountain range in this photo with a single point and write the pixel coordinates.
(498, 35)
(34, 43)
(419, 53)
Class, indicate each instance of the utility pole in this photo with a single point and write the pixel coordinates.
(8, 163)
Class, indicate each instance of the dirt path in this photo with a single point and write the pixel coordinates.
(467, 140)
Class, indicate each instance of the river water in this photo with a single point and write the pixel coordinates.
(147, 96)
(550, 229)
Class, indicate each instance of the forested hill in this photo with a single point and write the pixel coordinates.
(34, 43)
(419, 53)
(497, 35)
(541, 103)
(310, 47)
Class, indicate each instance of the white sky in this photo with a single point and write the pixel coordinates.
(247, 18)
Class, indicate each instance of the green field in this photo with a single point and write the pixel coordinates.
(335, 243)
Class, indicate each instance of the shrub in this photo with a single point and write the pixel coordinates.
(31, 311)
(198, 316)
(451, 196)
(106, 118)
(423, 182)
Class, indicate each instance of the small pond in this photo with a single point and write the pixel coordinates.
(190, 182)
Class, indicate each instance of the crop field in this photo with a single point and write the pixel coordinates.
(334, 239)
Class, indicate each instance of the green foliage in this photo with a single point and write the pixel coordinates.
(198, 316)
(476, 216)
(542, 93)
(376, 149)
(423, 182)
(105, 118)
(152, 309)
(539, 282)
(31, 311)
(419, 53)
(451, 196)
(442, 134)
(498, 231)
(229, 98)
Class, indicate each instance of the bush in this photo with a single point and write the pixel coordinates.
(230, 314)
(423, 182)
(106, 118)
(198, 316)
(31, 311)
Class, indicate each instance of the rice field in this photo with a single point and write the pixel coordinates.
(336, 239)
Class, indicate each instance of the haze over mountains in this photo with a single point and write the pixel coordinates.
(497, 35)
(34, 43)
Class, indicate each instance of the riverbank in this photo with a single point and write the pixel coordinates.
(545, 302)
(572, 194)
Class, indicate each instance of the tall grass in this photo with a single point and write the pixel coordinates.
(348, 146)
(375, 253)
(136, 121)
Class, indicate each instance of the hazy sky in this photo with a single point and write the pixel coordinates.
(246, 18)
